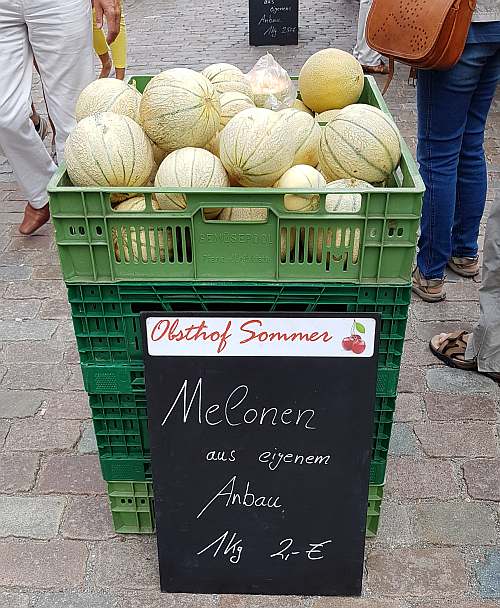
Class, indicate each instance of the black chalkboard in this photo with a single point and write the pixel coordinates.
(261, 432)
(274, 22)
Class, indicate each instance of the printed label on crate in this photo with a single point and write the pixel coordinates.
(261, 463)
(260, 337)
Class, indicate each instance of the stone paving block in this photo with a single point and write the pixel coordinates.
(78, 600)
(417, 350)
(88, 519)
(456, 603)
(88, 442)
(47, 272)
(3, 372)
(435, 572)
(36, 376)
(35, 352)
(177, 600)
(482, 478)
(75, 382)
(55, 309)
(13, 600)
(19, 309)
(4, 430)
(126, 564)
(394, 527)
(457, 438)
(487, 573)
(404, 441)
(455, 523)
(19, 404)
(71, 475)
(35, 243)
(71, 355)
(29, 330)
(411, 380)
(263, 601)
(40, 435)
(415, 478)
(74, 405)
(30, 516)
(15, 273)
(409, 408)
(446, 311)
(346, 602)
(65, 332)
(56, 564)
(18, 471)
(441, 406)
(451, 380)
(36, 289)
(462, 291)
(425, 330)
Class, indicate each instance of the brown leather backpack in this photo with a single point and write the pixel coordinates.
(424, 34)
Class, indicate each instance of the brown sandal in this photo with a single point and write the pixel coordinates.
(379, 69)
(465, 267)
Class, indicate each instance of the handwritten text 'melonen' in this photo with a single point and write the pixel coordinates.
(251, 331)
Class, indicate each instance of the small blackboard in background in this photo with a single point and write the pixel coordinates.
(273, 22)
(261, 437)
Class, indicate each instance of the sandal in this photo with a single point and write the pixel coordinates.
(465, 267)
(451, 348)
(430, 290)
(379, 69)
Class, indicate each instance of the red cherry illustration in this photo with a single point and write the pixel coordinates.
(358, 346)
(347, 343)
(356, 338)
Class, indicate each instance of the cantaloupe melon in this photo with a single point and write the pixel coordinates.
(330, 79)
(301, 176)
(256, 148)
(350, 202)
(326, 116)
(233, 103)
(307, 134)
(248, 214)
(108, 149)
(135, 203)
(362, 142)
(180, 108)
(300, 105)
(152, 247)
(228, 78)
(189, 168)
(108, 95)
(213, 144)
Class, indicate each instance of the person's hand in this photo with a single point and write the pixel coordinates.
(111, 11)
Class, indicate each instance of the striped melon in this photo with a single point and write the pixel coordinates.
(233, 103)
(180, 108)
(350, 202)
(362, 143)
(301, 176)
(330, 79)
(134, 203)
(108, 95)
(152, 247)
(327, 115)
(213, 144)
(248, 214)
(300, 105)
(307, 134)
(256, 148)
(108, 149)
(189, 168)
(228, 78)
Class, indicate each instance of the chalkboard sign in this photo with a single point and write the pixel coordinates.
(274, 22)
(261, 432)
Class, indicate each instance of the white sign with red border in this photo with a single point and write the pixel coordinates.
(173, 336)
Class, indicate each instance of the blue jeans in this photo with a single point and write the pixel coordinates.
(452, 109)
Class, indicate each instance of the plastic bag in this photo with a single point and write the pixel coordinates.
(271, 85)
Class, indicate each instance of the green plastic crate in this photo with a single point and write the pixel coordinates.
(106, 318)
(374, 246)
(132, 507)
(121, 429)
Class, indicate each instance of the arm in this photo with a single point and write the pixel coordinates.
(111, 11)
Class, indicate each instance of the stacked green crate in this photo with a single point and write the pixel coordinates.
(119, 264)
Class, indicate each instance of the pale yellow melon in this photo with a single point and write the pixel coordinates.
(248, 214)
(213, 144)
(330, 79)
(228, 78)
(135, 203)
(180, 108)
(256, 148)
(301, 176)
(152, 246)
(350, 202)
(233, 103)
(189, 168)
(108, 95)
(307, 134)
(300, 105)
(108, 149)
(362, 142)
(326, 116)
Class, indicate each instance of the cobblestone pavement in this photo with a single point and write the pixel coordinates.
(438, 545)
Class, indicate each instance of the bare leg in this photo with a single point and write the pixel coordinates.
(106, 65)
(120, 73)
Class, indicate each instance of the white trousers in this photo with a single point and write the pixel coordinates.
(363, 53)
(57, 33)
